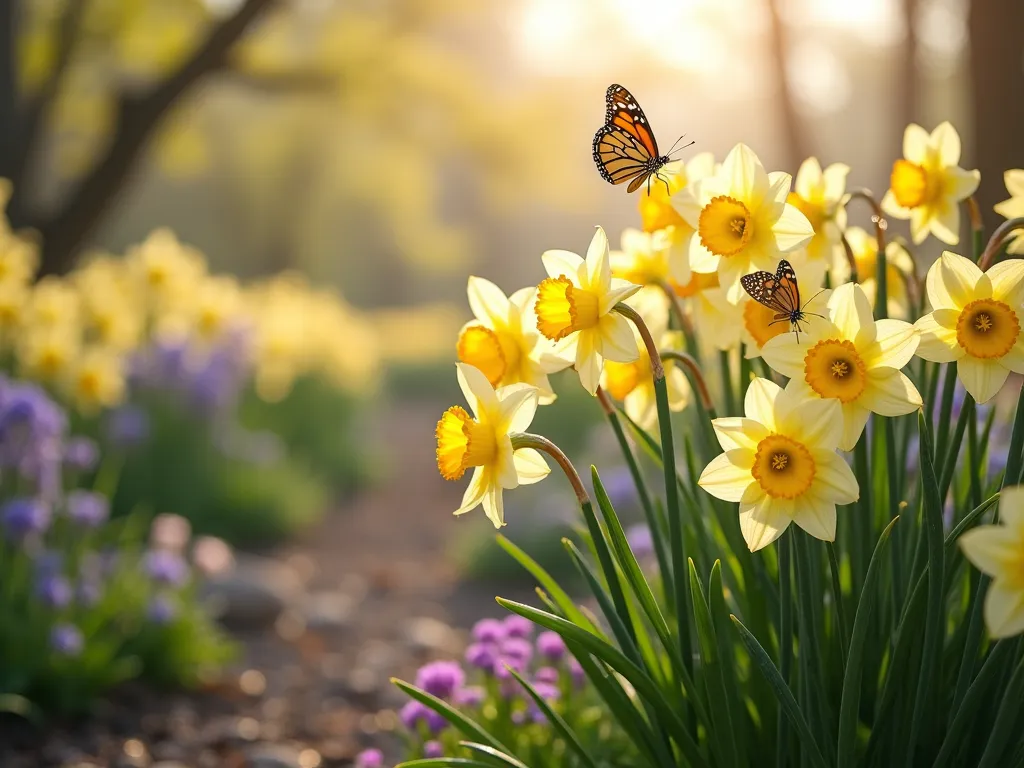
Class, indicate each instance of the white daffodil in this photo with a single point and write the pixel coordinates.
(780, 464)
(818, 195)
(574, 309)
(1013, 208)
(927, 185)
(742, 220)
(716, 321)
(503, 342)
(975, 321)
(483, 441)
(648, 258)
(852, 358)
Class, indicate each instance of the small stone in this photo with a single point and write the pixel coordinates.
(328, 610)
(273, 756)
(254, 594)
(168, 764)
(426, 634)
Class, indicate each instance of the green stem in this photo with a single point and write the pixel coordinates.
(995, 243)
(864, 521)
(977, 227)
(895, 484)
(837, 596)
(785, 553)
(725, 369)
(946, 410)
(1005, 728)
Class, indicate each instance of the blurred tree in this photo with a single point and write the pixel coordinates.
(362, 102)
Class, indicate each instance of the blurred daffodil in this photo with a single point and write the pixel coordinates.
(96, 380)
(780, 464)
(503, 341)
(818, 195)
(47, 354)
(53, 304)
(166, 270)
(850, 358)
(975, 321)
(716, 321)
(19, 258)
(998, 551)
(647, 258)
(742, 220)
(1013, 207)
(482, 441)
(899, 269)
(574, 309)
(927, 185)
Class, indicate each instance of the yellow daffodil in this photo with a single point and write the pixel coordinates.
(927, 185)
(899, 267)
(13, 299)
(166, 270)
(998, 550)
(742, 220)
(503, 342)
(218, 307)
(633, 383)
(780, 464)
(648, 258)
(975, 321)
(1013, 207)
(53, 303)
(656, 208)
(46, 354)
(574, 308)
(851, 358)
(19, 258)
(716, 322)
(96, 380)
(818, 195)
(482, 441)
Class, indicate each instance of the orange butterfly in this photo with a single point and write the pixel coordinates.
(625, 148)
(780, 292)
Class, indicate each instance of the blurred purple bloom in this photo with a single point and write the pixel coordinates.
(87, 508)
(547, 692)
(489, 631)
(517, 648)
(433, 749)
(66, 640)
(505, 663)
(546, 675)
(22, 517)
(415, 712)
(88, 592)
(618, 484)
(81, 454)
(518, 626)
(481, 655)
(550, 645)
(127, 426)
(161, 610)
(370, 758)
(640, 541)
(48, 562)
(166, 567)
(470, 696)
(440, 678)
(579, 677)
(54, 590)
(32, 429)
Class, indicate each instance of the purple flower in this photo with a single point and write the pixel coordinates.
(66, 640)
(433, 749)
(640, 541)
(370, 758)
(504, 664)
(518, 626)
(470, 696)
(161, 610)
(88, 509)
(550, 645)
(166, 567)
(127, 426)
(517, 648)
(440, 678)
(481, 656)
(415, 712)
(547, 692)
(618, 484)
(22, 517)
(489, 631)
(579, 677)
(54, 590)
(546, 675)
(81, 454)
(88, 592)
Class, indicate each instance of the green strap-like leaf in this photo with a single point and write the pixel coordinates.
(494, 753)
(557, 722)
(466, 725)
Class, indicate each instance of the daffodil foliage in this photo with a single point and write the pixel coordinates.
(833, 568)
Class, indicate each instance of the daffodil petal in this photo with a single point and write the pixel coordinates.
(851, 313)
(938, 342)
(505, 465)
(808, 177)
(475, 491)
(701, 259)
(488, 301)
(915, 143)
(558, 262)
(743, 170)
(981, 378)
(890, 393)
(617, 340)
(764, 520)
(818, 518)
(737, 432)
(892, 208)
(588, 360)
(1014, 359)
(990, 548)
(494, 506)
(945, 222)
(524, 300)
(947, 141)
(855, 418)
(759, 402)
(517, 405)
(728, 475)
(530, 466)
(834, 481)
(896, 342)
(1008, 283)
(1004, 609)
(1011, 505)
(1014, 181)
(814, 422)
(620, 290)
(599, 271)
(962, 183)
(920, 223)
(786, 355)
(835, 180)
(951, 281)
(792, 230)
(476, 389)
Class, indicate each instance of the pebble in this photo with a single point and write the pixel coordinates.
(254, 594)
(426, 634)
(273, 756)
(329, 610)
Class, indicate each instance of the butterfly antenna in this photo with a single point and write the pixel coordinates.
(680, 149)
(813, 298)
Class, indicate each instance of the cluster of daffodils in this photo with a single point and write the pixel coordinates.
(84, 335)
(650, 315)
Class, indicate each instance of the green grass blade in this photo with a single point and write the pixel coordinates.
(491, 752)
(611, 575)
(467, 726)
(559, 724)
(442, 762)
(1005, 726)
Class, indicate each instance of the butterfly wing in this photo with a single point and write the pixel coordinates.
(620, 157)
(787, 293)
(623, 111)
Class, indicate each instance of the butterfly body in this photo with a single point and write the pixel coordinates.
(780, 292)
(624, 147)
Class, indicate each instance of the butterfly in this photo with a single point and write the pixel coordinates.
(625, 148)
(780, 292)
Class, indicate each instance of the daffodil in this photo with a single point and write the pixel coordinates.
(818, 195)
(927, 185)
(482, 440)
(899, 267)
(780, 464)
(165, 269)
(503, 341)
(46, 354)
(998, 551)
(851, 358)
(1013, 207)
(742, 220)
(633, 383)
(648, 258)
(96, 380)
(54, 303)
(656, 204)
(19, 258)
(716, 321)
(975, 321)
(574, 308)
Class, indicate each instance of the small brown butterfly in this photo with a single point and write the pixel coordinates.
(780, 292)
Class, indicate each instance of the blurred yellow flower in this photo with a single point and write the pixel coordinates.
(899, 269)
(482, 441)
(633, 383)
(53, 303)
(96, 380)
(742, 219)
(111, 307)
(167, 271)
(1013, 208)
(19, 258)
(574, 308)
(927, 185)
(503, 342)
(852, 358)
(716, 322)
(780, 464)
(975, 321)
(998, 551)
(47, 354)
(649, 258)
(218, 306)
(818, 195)
(13, 299)
(658, 212)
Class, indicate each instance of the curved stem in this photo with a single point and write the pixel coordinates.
(977, 227)
(528, 440)
(657, 369)
(696, 375)
(850, 259)
(1000, 236)
(677, 309)
(877, 216)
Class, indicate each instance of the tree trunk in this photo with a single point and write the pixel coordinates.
(793, 128)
